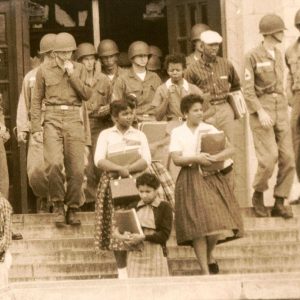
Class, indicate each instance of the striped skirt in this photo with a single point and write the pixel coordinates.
(204, 206)
(149, 262)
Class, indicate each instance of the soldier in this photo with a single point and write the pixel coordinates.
(138, 82)
(108, 53)
(216, 77)
(154, 62)
(61, 86)
(98, 113)
(196, 31)
(269, 123)
(292, 57)
(35, 159)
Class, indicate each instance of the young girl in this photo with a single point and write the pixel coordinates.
(120, 135)
(205, 205)
(156, 219)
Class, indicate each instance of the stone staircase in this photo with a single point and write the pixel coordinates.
(48, 253)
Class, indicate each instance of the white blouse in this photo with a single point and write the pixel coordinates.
(112, 140)
(187, 142)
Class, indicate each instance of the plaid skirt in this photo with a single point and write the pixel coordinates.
(104, 208)
(149, 262)
(205, 205)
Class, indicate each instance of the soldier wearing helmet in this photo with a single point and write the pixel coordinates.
(35, 158)
(292, 58)
(196, 31)
(217, 78)
(138, 81)
(154, 62)
(108, 53)
(61, 86)
(268, 118)
(98, 114)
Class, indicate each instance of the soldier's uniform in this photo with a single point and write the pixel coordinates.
(130, 84)
(263, 88)
(64, 139)
(292, 57)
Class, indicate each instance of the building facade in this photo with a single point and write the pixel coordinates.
(165, 23)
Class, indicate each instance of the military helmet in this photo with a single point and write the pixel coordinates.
(64, 42)
(270, 24)
(47, 43)
(297, 17)
(138, 48)
(197, 29)
(154, 63)
(154, 50)
(107, 48)
(85, 49)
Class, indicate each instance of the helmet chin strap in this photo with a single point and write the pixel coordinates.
(276, 38)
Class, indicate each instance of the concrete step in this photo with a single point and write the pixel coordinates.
(222, 287)
(258, 264)
(53, 271)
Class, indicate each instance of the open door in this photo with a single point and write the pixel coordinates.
(183, 14)
(14, 41)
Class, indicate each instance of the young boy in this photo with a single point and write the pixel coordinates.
(156, 219)
(168, 95)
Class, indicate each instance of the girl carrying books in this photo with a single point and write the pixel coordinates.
(206, 211)
(155, 217)
(120, 136)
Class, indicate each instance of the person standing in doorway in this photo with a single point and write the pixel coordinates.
(61, 85)
(269, 122)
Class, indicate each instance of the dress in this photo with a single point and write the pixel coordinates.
(204, 205)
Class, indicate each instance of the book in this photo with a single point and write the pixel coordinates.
(238, 104)
(124, 157)
(127, 221)
(213, 143)
(154, 130)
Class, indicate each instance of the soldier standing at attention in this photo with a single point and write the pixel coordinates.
(61, 86)
(216, 77)
(196, 31)
(108, 53)
(269, 123)
(98, 113)
(138, 81)
(292, 57)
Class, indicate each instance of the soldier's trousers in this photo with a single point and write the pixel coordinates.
(36, 168)
(273, 145)
(64, 147)
(4, 180)
(295, 126)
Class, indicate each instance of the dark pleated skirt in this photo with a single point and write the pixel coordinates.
(205, 205)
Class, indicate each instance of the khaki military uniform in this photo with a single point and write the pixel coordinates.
(143, 90)
(264, 89)
(293, 91)
(64, 138)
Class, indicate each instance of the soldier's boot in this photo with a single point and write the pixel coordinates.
(71, 217)
(279, 210)
(59, 210)
(258, 205)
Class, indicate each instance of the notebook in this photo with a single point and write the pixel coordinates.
(127, 221)
(124, 157)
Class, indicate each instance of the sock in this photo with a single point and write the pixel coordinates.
(122, 273)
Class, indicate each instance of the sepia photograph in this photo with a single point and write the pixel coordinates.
(149, 149)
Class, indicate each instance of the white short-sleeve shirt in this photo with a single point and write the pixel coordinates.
(185, 141)
(112, 140)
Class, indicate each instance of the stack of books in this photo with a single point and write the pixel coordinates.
(238, 104)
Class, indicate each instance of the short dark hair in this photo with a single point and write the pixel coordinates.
(120, 105)
(176, 58)
(148, 179)
(188, 101)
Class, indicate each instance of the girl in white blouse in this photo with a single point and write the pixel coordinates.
(206, 211)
